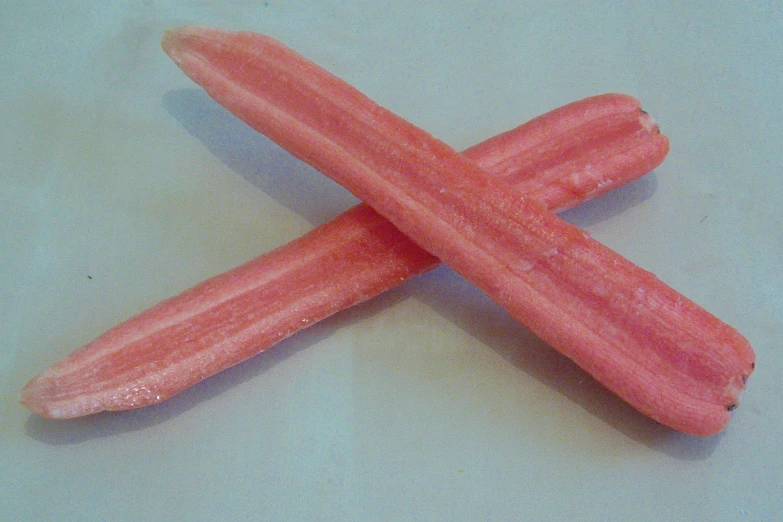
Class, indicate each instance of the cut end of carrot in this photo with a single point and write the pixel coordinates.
(648, 122)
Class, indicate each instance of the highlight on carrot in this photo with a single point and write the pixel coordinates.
(659, 351)
(236, 315)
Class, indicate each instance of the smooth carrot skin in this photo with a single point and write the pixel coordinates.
(235, 315)
(659, 351)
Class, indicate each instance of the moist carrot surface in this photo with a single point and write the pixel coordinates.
(656, 349)
(233, 316)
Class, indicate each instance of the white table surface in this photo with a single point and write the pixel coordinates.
(122, 184)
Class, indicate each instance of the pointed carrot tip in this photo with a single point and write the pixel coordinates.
(37, 397)
(171, 38)
(176, 36)
(34, 387)
(30, 397)
(167, 42)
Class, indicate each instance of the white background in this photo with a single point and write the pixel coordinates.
(122, 184)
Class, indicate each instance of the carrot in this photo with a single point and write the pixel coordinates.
(235, 315)
(666, 356)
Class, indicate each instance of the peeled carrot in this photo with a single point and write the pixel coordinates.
(235, 315)
(659, 351)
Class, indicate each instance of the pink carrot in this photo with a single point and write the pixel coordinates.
(233, 316)
(659, 351)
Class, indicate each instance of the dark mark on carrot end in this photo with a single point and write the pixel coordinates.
(732, 407)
